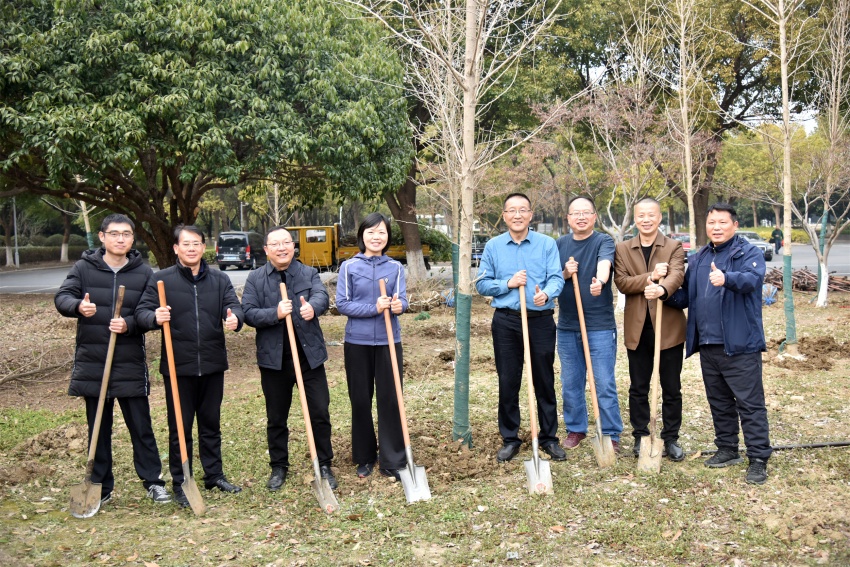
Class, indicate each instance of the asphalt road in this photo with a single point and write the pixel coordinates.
(48, 280)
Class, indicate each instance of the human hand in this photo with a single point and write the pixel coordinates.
(570, 268)
(163, 314)
(596, 287)
(87, 308)
(652, 289)
(284, 308)
(660, 271)
(307, 312)
(384, 302)
(396, 305)
(232, 321)
(518, 279)
(118, 325)
(716, 277)
(540, 297)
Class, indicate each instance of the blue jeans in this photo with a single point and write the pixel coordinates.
(603, 354)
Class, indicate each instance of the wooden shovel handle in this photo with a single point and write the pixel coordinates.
(172, 371)
(656, 365)
(302, 395)
(396, 375)
(104, 384)
(587, 361)
(526, 349)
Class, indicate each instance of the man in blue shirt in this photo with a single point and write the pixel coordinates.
(523, 257)
(593, 257)
(722, 291)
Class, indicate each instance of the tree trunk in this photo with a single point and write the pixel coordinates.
(66, 236)
(402, 204)
(7, 237)
(777, 214)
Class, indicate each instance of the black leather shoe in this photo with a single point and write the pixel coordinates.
(277, 478)
(327, 474)
(636, 448)
(674, 451)
(555, 452)
(507, 452)
(225, 486)
(391, 473)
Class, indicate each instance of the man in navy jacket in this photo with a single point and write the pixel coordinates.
(722, 291)
(266, 310)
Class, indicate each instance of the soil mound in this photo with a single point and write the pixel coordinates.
(821, 354)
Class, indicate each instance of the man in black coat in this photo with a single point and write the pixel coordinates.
(89, 293)
(266, 310)
(201, 304)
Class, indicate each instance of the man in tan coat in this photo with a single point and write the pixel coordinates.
(641, 263)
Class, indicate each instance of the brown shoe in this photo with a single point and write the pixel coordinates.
(573, 439)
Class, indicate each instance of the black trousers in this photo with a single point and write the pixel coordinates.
(670, 379)
(509, 352)
(137, 416)
(734, 388)
(201, 397)
(368, 371)
(277, 389)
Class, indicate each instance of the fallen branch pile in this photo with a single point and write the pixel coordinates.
(804, 280)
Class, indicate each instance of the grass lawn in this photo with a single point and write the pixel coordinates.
(480, 512)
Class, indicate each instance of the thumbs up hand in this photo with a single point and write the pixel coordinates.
(87, 308)
(307, 312)
(540, 298)
(595, 287)
(396, 306)
(716, 277)
(232, 321)
(652, 289)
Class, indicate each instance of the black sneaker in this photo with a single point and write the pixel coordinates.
(757, 471)
(180, 496)
(104, 498)
(724, 457)
(159, 494)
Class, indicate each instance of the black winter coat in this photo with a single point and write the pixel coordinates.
(129, 373)
(198, 309)
(260, 299)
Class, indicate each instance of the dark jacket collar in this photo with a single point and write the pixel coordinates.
(134, 258)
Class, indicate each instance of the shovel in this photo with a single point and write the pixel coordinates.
(651, 446)
(412, 477)
(538, 472)
(321, 487)
(85, 497)
(190, 489)
(602, 446)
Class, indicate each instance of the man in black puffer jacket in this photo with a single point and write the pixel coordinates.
(201, 304)
(89, 293)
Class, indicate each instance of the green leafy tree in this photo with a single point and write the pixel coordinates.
(143, 106)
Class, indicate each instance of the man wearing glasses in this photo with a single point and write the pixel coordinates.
(201, 304)
(266, 310)
(589, 254)
(89, 294)
(521, 257)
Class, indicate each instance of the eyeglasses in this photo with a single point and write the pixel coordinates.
(277, 245)
(582, 214)
(191, 245)
(115, 234)
(514, 212)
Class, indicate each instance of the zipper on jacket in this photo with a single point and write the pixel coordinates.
(197, 328)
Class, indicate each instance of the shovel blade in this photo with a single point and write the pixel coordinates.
(324, 494)
(415, 483)
(649, 460)
(85, 499)
(539, 477)
(604, 450)
(190, 489)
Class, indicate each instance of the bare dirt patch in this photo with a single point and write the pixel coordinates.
(822, 353)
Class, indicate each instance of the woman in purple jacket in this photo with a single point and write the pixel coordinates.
(367, 356)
